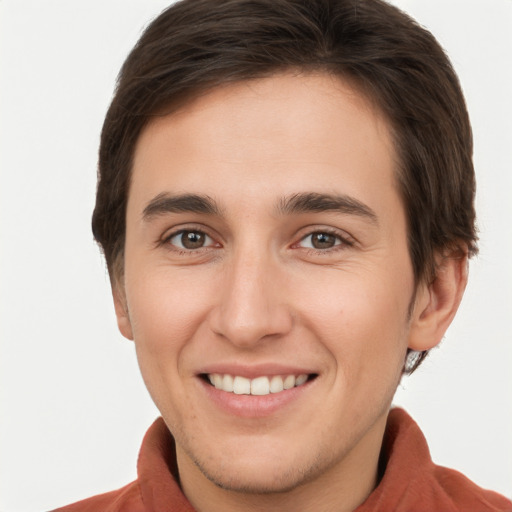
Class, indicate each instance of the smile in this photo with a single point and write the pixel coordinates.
(259, 386)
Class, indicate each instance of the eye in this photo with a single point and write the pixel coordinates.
(190, 240)
(321, 240)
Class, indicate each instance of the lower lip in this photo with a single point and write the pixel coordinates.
(253, 406)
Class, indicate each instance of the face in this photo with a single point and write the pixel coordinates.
(267, 280)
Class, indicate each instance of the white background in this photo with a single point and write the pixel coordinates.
(73, 406)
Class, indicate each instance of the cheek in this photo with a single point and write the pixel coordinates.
(164, 306)
(165, 312)
(362, 321)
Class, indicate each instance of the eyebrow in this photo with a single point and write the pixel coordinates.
(181, 203)
(312, 202)
(307, 202)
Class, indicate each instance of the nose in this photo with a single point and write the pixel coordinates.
(252, 304)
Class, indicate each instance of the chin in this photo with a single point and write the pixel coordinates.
(249, 483)
(267, 474)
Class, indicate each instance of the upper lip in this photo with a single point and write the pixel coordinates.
(255, 370)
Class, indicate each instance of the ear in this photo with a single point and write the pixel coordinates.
(436, 303)
(121, 308)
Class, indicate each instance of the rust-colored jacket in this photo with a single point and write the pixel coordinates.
(411, 481)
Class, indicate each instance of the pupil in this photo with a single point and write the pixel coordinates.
(192, 239)
(323, 241)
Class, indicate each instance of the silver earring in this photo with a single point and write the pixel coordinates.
(412, 359)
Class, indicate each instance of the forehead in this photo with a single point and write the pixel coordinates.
(313, 132)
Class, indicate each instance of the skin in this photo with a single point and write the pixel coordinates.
(257, 293)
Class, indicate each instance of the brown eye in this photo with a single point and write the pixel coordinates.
(320, 240)
(190, 240)
(323, 240)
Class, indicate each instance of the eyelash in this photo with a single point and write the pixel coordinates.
(341, 243)
(184, 251)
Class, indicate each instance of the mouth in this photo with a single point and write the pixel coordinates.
(259, 386)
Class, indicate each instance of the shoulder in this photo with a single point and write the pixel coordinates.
(411, 481)
(454, 487)
(126, 499)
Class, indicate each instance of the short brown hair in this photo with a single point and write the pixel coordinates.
(196, 45)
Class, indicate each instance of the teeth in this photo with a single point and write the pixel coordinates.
(259, 386)
(216, 380)
(301, 379)
(289, 382)
(227, 383)
(241, 386)
(276, 384)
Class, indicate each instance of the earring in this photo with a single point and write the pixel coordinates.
(412, 360)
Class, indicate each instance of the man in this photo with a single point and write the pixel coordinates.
(285, 204)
